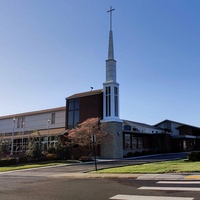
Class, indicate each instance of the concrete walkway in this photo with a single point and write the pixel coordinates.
(131, 176)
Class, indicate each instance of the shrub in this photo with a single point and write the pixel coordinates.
(12, 161)
(51, 156)
(3, 163)
(84, 158)
(34, 150)
(23, 159)
(130, 154)
(194, 156)
(137, 153)
(7, 162)
(51, 150)
(144, 152)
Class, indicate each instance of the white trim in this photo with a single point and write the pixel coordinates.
(139, 197)
(171, 188)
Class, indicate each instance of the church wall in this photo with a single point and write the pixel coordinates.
(32, 121)
(91, 106)
(113, 147)
(185, 130)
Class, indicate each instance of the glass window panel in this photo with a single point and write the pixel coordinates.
(108, 109)
(77, 104)
(140, 143)
(53, 117)
(116, 91)
(76, 117)
(71, 104)
(134, 142)
(107, 90)
(18, 122)
(116, 105)
(127, 141)
(70, 119)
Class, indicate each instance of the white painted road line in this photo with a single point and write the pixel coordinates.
(138, 197)
(171, 188)
(178, 182)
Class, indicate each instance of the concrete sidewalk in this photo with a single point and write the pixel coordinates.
(130, 176)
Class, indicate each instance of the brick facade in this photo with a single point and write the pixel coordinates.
(113, 148)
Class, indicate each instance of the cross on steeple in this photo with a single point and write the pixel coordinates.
(110, 11)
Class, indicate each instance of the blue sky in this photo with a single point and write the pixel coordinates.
(52, 49)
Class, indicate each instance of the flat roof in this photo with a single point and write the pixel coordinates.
(63, 108)
(85, 94)
(181, 124)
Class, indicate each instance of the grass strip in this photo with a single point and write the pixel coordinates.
(33, 165)
(177, 166)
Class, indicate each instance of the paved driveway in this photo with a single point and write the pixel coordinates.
(86, 167)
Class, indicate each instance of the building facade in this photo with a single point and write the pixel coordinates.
(127, 136)
(17, 129)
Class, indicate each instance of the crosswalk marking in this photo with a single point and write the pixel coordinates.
(178, 182)
(171, 188)
(138, 197)
(181, 182)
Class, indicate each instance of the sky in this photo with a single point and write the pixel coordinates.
(51, 49)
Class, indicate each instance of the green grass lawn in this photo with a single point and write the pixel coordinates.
(33, 165)
(178, 166)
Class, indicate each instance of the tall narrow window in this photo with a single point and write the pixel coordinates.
(73, 112)
(53, 118)
(116, 100)
(20, 122)
(127, 141)
(108, 101)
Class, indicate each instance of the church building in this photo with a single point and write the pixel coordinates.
(129, 138)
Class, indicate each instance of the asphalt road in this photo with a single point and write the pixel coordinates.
(34, 188)
(39, 184)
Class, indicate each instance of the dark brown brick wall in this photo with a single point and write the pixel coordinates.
(185, 130)
(162, 142)
(91, 106)
(177, 144)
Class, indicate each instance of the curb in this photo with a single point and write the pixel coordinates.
(172, 177)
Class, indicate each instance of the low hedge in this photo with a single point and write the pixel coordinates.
(194, 156)
(7, 162)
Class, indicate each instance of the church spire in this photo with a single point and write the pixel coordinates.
(111, 87)
(110, 47)
(110, 62)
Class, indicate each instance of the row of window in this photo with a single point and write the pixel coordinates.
(132, 142)
(19, 145)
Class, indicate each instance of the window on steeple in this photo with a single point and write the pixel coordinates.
(116, 101)
(108, 102)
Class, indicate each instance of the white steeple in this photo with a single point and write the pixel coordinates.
(111, 87)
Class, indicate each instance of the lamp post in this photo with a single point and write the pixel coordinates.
(12, 142)
(48, 122)
(94, 150)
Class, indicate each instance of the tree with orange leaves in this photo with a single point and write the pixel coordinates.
(83, 133)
